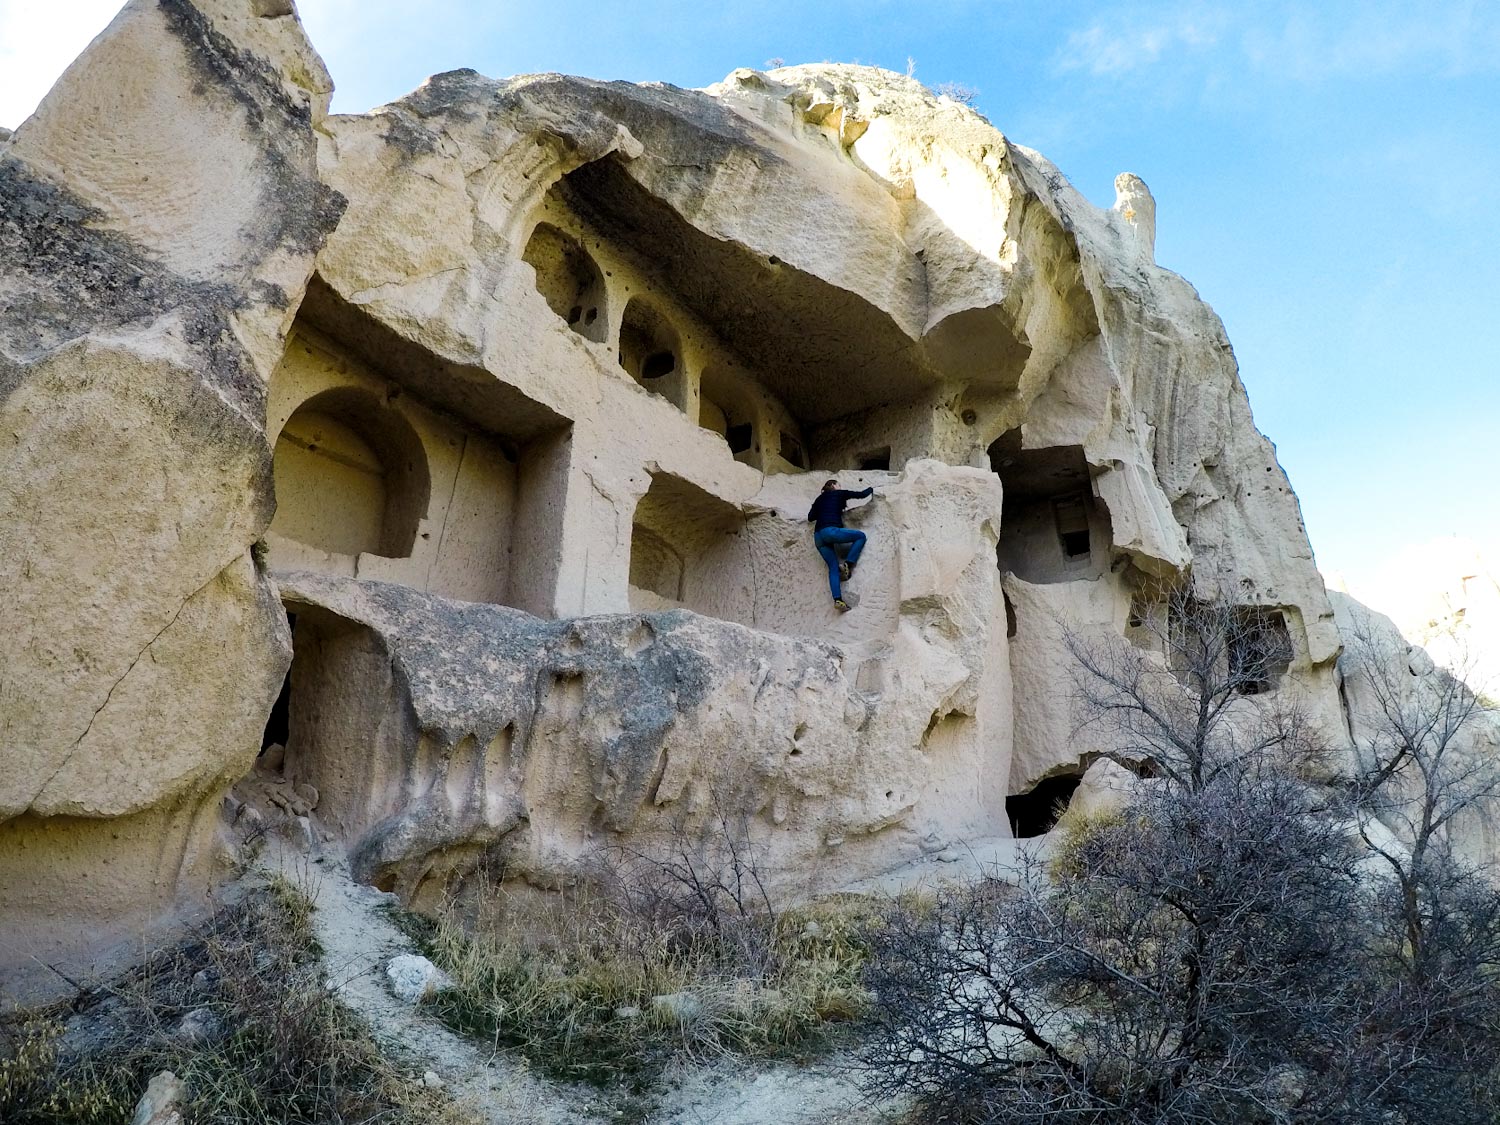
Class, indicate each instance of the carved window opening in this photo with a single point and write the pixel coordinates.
(568, 279)
(1243, 648)
(1052, 527)
(1258, 649)
(1071, 516)
(876, 460)
(651, 351)
(727, 407)
(792, 451)
(351, 476)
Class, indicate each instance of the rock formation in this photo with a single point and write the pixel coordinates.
(1445, 596)
(1462, 743)
(513, 396)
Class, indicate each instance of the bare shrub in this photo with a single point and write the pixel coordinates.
(1177, 704)
(708, 894)
(959, 92)
(1226, 947)
(1180, 954)
(680, 952)
(1420, 775)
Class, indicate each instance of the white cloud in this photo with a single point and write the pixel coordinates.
(37, 42)
(1289, 40)
(1121, 42)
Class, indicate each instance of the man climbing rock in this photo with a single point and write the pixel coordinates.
(829, 533)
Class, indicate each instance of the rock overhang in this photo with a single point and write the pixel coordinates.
(856, 278)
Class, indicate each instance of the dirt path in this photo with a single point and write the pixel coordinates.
(359, 939)
(735, 1093)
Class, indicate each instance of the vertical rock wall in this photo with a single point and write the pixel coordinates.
(159, 215)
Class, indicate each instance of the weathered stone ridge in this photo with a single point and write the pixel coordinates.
(533, 734)
(497, 411)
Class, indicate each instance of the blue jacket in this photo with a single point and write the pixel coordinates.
(828, 509)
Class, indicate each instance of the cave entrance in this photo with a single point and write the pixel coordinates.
(279, 724)
(1037, 811)
(1052, 526)
(336, 741)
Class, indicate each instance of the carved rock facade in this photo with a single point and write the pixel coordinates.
(495, 414)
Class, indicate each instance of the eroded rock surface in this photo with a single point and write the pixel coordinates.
(159, 215)
(446, 731)
(527, 385)
(1395, 695)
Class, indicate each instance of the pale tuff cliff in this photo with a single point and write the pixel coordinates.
(514, 395)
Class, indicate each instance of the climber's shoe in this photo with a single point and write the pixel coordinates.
(844, 571)
(841, 605)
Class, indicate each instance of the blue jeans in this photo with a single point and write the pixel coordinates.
(829, 539)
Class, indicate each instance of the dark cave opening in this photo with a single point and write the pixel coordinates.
(279, 725)
(1036, 812)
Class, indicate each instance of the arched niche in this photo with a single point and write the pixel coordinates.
(651, 350)
(569, 280)
(687, 549)
(728, 410)
(351, 476)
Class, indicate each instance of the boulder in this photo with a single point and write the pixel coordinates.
(198, 1027)
(159, 215)
(414, 978)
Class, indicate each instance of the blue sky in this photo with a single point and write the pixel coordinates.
(1324, 175)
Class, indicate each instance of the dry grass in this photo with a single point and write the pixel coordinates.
(574, 987)
(1073, 832)
(280, 1046)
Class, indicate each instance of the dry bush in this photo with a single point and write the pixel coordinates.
(576, 987)
(1236, 942)
(960, 92)
(1420, 780)
(278, 1047)
(1161, 971)
(1226, 947)
(35, 1087)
